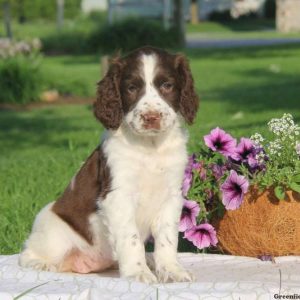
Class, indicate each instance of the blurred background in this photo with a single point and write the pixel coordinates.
(244, 55)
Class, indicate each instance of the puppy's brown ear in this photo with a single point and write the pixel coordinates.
(189, 100)
(108, 106)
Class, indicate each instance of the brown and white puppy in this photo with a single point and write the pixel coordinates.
(130, 186)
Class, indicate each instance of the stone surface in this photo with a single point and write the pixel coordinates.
(217, 277)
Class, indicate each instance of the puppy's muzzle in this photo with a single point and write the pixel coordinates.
(151, 120)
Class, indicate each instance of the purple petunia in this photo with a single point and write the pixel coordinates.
(218, 170)
(220, 141)
(245, 150)
(189, 214)
(250, 155)
(202, 236)
(188, 173)
(187, 182)
(233, 190)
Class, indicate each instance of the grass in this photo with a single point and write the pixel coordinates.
(244, 28)
(76, 75)
(42, 28)
(41, 149)
(244, 25)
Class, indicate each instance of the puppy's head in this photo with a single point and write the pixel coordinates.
(147, 90)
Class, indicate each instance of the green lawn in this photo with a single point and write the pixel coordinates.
(76, 75)
(255, 28)
(42, 28)
(244, 25)
(240, 89)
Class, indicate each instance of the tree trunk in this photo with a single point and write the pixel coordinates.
(166, 14)
(179, 22)
(288, 15)
(60, 14)
(21, 11)
(194, 13)
(7, 19)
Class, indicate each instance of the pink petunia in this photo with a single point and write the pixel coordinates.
(189, 214)
(220, 141)
(202, 236)
(244, 150)
(233, 190)
(188, 174)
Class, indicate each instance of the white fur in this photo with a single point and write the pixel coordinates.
(145, 198)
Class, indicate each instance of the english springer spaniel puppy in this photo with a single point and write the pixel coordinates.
(130, 186)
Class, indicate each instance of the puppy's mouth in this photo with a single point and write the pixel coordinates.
(151, 120)
(146, 129)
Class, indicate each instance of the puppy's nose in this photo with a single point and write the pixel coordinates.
(151, 120)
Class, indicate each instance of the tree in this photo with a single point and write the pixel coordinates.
(7, 18)
(179, 21)
(60, 13)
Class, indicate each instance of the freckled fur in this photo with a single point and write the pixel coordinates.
(114, 203)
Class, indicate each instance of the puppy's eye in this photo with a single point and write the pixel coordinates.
(166, 86)
(132, 88)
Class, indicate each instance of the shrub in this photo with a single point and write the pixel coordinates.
(270, 9)
(70, 42)
(220, 16)
(74, 36)
(20, 77)
(132, 33)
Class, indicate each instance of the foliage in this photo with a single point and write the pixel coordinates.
(218, 175)
(132, 33)
(283, 151)
(270, 9)
(20, 76)
(74, 38)
(27, 10)
(71, 42)
(220, 16)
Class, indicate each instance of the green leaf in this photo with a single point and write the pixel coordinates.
(279, 192)
(295, 187)
(296, 178)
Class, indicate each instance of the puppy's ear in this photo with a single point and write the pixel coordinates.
(108, 106)
(189, 100)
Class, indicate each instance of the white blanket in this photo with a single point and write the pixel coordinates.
(218, 277)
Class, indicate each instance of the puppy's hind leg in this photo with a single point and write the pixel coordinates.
(50, 241)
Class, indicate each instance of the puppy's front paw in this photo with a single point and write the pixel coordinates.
(173, 273)
(144, 275)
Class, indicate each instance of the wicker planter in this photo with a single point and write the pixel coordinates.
(262, 225)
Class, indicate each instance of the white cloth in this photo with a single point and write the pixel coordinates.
(218, 277)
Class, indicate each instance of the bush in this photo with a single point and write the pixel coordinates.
(270, 9)
(220, 16)
(131, 33)
(125, 35)
(20, 81)
(69, 42)
(74, 36)
(20, 76)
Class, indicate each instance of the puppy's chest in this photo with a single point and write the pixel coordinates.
(152, 179)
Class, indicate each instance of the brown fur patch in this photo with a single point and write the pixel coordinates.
(189, 101)
(78, 201)
(123, 86)
(108, 106)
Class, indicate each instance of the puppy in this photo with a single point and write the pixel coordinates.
(130, 186)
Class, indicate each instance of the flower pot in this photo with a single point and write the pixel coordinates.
(263, 225)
